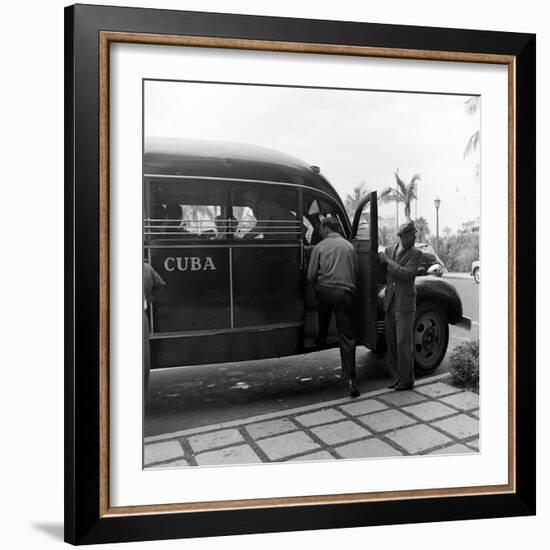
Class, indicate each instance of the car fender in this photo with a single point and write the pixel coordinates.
(433, 289)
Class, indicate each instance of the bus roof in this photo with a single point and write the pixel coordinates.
(174, 157)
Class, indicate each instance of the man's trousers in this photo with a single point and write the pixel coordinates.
(146, 354)
(399, 337)
(339, 301)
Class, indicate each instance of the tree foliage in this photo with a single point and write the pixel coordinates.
(472, 145)
(458, 250)
(351, 202)
(471, 107)
(422, 228)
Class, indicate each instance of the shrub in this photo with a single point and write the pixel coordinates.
(464, 362)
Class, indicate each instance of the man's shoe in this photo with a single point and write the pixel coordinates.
(353, 389)
(392, 384)
(401, 387)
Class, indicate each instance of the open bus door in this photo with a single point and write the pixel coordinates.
(364, 236)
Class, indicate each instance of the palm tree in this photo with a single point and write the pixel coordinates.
(351, 202)
(403, 192)
(473, 142)
(471, 106)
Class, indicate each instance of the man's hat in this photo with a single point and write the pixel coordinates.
(408, 227)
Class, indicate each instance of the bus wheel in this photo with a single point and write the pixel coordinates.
(476, 275)
(430, 337)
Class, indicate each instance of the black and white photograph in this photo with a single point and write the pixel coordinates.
(311, 273)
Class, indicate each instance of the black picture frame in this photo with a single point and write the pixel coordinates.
(85, 522)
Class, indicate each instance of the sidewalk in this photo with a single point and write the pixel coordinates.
(434, 418)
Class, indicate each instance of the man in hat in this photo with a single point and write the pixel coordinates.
(332, 270)
(402, 261)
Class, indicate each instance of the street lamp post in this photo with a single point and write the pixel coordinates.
(437, 202)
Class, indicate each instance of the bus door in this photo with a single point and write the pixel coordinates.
(364, 236)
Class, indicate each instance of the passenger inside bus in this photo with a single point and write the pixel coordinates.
(186, 211)
(315, 221)
(273, 220)
(172, 226)
(316, 212)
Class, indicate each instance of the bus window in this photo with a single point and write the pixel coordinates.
(189, 211)
(265, 213)
(167, 222)
(333, 214)
(307, 231)
(363, 229)
(315, 209)
(245, 219)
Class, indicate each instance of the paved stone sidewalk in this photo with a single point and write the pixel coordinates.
(434, 418)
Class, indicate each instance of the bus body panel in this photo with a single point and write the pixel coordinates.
(233, 345)
(197, 294)
(267, 285)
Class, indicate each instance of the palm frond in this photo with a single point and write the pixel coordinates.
(386, 192)
(472, 105)
(473, 142)
(351, 202)
(400, 183)
(411, 188)
(411, 194)
(390, 195)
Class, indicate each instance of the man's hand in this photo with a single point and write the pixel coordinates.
(382, 257)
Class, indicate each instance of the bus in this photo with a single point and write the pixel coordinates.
(229, 227)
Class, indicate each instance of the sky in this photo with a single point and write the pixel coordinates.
(355, 136)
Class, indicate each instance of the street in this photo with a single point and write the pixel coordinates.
(191, 397)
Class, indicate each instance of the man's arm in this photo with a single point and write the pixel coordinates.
(158, 283)
(408, 271)
(313, 266)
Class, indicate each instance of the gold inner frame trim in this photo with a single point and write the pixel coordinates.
(105, 39)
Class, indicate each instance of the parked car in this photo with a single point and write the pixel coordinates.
(430, 263)
(475, 271)
(229, 228)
